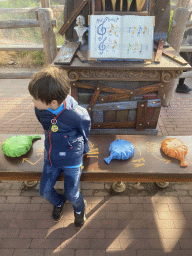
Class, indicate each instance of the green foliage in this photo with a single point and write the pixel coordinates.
(170, 21)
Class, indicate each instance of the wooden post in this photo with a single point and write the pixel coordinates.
(45, 3)
(166, 92)
(177, 32)
(181, 3)
(45, 16)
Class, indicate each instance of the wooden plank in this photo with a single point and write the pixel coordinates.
(159, 51)
(139, 4)
(142, 90)
(160, 7)
(97, 5)
(122, 105)
(152, 7)
(139, 91)
(172, 54)
(97, 116)
(122, 131)
(122, 115)
(129, 4)
(45, 3)
(5, 24)
(66, 53)
(55, 8)
(150, 110)
(81, 57)
(73, 16)
(94, 99)
(109, 117)
(74, 93)
(103, 5)
(141, 115)
(148, 163)
(113, 4)
(31, 48)
(143, 13)
(112, 124)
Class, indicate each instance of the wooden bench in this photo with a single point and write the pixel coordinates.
(149, 163)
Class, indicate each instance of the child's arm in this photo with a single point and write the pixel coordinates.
(84, 126)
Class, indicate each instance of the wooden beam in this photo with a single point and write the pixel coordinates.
(45, 16)
(55, 8)
(139, 4)
(144, 13)
(30, 48)
(22, 23)
(45, 3)
(73, 16)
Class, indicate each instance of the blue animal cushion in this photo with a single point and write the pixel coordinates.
(120, 149)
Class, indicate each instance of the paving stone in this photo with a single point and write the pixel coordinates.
(15, 243)
(7, 252)
(90, 253)
(60, 252)
(28, 252)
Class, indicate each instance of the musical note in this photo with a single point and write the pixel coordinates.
(115, 31)
(115, 43)
(101, 30)
(134, 30)
(136, 45)
(102, 46)
(112, 27)
(145, 29)
(140, 29)
(129, 48)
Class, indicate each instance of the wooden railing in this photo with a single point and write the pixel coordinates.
(44, 20)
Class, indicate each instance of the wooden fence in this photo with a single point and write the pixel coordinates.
(44, 20)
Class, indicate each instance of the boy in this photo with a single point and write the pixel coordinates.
(67, 126)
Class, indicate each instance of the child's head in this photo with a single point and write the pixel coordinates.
(50, 85)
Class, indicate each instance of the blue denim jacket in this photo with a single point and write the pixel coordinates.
(69, 141)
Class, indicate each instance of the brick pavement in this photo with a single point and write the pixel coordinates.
(143, 220)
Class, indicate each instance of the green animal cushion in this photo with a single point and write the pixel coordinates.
(18, 145)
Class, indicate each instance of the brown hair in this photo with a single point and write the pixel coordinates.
(50, 83)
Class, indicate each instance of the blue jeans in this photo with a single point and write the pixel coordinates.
(71, 184)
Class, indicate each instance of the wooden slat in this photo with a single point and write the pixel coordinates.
(144, 13)
(152, 7)
(141, 115)
(143, 90)
(81, 57)
(160, 7)
(74, 93)
(159, 51)
(139, 91)
(122, 105)
(55, 8)
(23, 47)
(94, 98)
(67, 53)
(150, 110)
(113, 4)
(129, 4)
(121, 5)
(113, 125)
(172, 54)
(97, 5)
(103, 4)
(139, 4)
(73, 16)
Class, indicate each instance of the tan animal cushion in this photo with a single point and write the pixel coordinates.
(175, 149)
